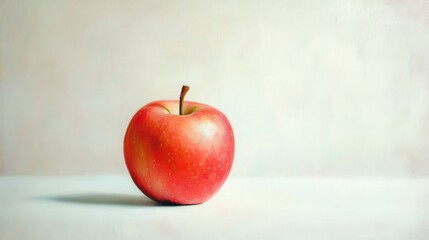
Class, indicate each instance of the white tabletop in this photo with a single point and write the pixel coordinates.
(110, 207)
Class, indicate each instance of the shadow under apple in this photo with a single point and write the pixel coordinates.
(114, 199)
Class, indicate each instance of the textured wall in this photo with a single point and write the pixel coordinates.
(310, 87)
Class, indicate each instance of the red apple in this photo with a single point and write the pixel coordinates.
(179, 152)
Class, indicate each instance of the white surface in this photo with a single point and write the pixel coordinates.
(110, 207)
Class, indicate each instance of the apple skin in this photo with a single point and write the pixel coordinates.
(179, 159)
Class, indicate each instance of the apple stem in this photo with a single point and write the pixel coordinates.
(182, 97)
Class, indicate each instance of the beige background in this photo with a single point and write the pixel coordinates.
(327, 88)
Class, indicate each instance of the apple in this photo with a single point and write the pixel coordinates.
(179, 152)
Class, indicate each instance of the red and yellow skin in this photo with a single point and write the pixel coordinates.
(179, 159)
